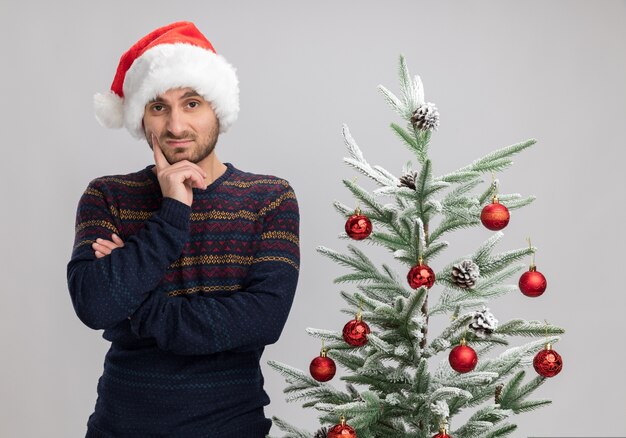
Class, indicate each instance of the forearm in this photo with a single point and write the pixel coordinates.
(215, 322)
(106, 290)
(246, 319)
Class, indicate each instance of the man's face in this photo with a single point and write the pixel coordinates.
(184, 123)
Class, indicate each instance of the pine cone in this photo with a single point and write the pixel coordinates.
(408, 180)
(465, 274)
(321, 433)
(425, 117)
(484, 323)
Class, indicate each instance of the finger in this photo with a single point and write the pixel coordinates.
(107, 243)
(99, 254)
(196, 179)
(183, 173)
(186, 163)
(159, 157)
(117, 240)
(101, 248)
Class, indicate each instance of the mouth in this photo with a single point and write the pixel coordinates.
(179, 143)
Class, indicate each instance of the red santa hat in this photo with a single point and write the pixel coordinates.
(173, 56)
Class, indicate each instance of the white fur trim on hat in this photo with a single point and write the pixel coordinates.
(109, 108)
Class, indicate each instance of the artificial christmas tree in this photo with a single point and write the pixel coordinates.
(400, 383)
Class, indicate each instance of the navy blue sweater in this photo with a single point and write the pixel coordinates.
(188, 303)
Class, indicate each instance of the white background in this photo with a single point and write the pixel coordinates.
(500, 72)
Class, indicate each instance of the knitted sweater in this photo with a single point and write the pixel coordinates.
(188, 303)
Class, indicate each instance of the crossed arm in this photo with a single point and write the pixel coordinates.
(113, 280)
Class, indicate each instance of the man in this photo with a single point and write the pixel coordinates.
(189, 265)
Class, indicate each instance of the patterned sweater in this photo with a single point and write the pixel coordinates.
(188, 303)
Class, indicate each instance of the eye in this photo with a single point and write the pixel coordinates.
(157, 107)
(194, 104)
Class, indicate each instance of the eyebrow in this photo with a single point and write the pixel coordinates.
(187, 95)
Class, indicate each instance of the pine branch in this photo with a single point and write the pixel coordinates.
(379, 344)
(412, 304)
(390, 290)
(322, 393)
(434, 249)
(462, 189)
(361, 413)
(325, 334)
(447, 392)
(453, 299)
(346, 358)
(514, 394)
(481, 256)
(449, 224)
(393, 101)
(422, 377)
(502, 260)
(494, 161)
(359, 300)
(377, 209)
(442, 341)
(514, 202)
(521, 327)
(501, 431)
(408, 89)
(293, 374)
(393, 242)
(531, 405)
(408, 139)
(292, 431)
(345, 260)
(358, 161)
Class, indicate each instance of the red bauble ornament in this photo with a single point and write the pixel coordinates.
(322, 368)
(421, 275)
(547, 362)
(442, 434)
(358, 226)
(463, 358)
(341, 430)
(355, 332)
(532, 283)
(495, 216)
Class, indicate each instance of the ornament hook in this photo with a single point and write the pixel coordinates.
(357, 210)
(494, 186)
(532, 255)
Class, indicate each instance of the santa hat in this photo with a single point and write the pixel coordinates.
(173, 56)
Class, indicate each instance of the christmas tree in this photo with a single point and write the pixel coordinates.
(402, 380)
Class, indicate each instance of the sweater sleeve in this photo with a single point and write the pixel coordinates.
(247, 319)
(107, 290)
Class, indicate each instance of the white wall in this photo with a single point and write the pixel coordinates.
(499, 71)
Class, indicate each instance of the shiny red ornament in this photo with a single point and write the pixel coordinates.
(532, 283)
(463, 358)
(355, 332)
(322, 368)
(442, 434)
(358, 226)
(421, 275)
(547, 362)
(495, 216)
(341, 430)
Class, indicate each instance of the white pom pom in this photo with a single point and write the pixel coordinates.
(109, 109)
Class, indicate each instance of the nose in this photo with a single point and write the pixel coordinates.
(176, 121)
